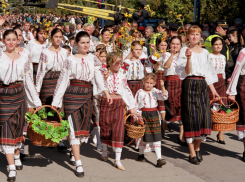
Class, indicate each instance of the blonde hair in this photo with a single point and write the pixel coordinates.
(150, 76)
(194, 28)
(135, 43)
(112, 58)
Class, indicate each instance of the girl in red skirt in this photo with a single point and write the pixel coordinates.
(146, 100)
(158, 68)
(112, 116)
(219, 62)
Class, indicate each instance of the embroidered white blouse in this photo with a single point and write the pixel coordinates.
(135, 70)
(117, 84)
(49, 61)
(86, 69)
(149, 100)
(35, 50)
(201, 65)
(219, 62)
(19, 70)
(109, 48)
(239, 70)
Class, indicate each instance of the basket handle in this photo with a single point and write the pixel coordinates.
(224, 104)
(133, 115)
(52, 109)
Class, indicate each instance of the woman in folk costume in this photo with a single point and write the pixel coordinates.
(236, 92)
(51, 62)
(219, 62)
(106, 36)
(50, 65)
(195, 68)
(79, 80)
(112, 116)
(16, 90)
(101, 54)
(36, 47)
(173, 85)
(146, 100)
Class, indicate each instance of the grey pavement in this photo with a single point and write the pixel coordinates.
(221, 163)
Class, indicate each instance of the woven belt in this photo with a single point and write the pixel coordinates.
(196, 77)
(149, 109)
(220, 75)
(80, 83)
(172, 77)
(13, 84)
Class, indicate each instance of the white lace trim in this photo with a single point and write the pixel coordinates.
(190, 140)
(241, 134)
(149, 146)
(9, 149)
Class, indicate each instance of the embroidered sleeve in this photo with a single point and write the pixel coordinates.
(128, 97)
(159, 95)
(236, 73)
(31, 92)
(41, 71)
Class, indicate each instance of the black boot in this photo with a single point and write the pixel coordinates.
(194, 160)
(160, 162)
(12, 178)
(243, 157)
(141, 158)
(199, 155)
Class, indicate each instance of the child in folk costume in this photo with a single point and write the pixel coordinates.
(17, 89)
(112, 116)
(135, 67)
(173, 85)
(80, 71)
(36, 47)
(236, 92)
(195, 68)
(106, 36)
(101, 54)
(146, 100)
(51, 62)
(158, 68)
(219, 62)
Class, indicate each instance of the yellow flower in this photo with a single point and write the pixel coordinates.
(44, 21)
(3, 5)
(111, 35)
(129, 23)
(40, 23)
(47, 29)
(161, 51)
(126, 14)
(157, 55)
(122, 29)
(3, 1)
(130, 15)
(7, 13)
(7, 4)
(179, 15)
(135, 30)
(49, 22)
(132, 47)
(163, 39)
(142, 42)
(47, 36)
(4, 10)
(170, 12)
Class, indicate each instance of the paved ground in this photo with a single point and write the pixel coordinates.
(221, 163)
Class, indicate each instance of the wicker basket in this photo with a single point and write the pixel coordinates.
(225, 122)
(134, 131)
(38, 139)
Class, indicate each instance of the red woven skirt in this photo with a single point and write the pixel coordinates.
(173, 104)
(160, 76)
(135, 85)
(220, 88)
(112, 122)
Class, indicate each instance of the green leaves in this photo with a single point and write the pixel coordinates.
(43, 128)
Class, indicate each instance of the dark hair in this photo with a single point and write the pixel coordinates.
(175, 37)
(235, 33)
(215, 39)
(104, 30)
(159, 40)
(135, 43)
(56, 30)
(80, 35)
(9, 31)
(39, 29)
(66, 47)
(17, 28)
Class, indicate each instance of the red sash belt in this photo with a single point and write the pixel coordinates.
(149, 109)
(196, 77)
(172, 77)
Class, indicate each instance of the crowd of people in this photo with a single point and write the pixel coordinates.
(165, 74)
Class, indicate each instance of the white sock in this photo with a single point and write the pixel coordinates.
(157, 146)
(104, 150)
(141, 147)
(72, 157)
(80, 168)
(12, 173)
(118, 157)
(17, 161)
(137, 142)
